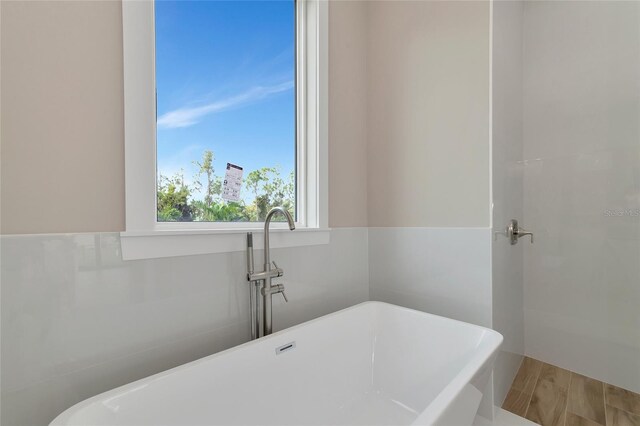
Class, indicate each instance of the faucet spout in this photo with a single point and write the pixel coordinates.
(267, 222)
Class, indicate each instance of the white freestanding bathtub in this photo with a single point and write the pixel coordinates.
(371, 364)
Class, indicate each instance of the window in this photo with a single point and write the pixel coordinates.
(211, 86)
(226, 106)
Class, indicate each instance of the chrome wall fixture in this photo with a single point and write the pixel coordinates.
(260, 282)
(514, 232)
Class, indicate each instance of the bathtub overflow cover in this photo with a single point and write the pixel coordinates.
(284, 348)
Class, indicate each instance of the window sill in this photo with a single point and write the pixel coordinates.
(158, 244)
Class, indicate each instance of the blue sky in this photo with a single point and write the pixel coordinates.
(225, 82)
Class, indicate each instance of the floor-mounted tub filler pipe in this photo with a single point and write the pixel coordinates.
(260, 282)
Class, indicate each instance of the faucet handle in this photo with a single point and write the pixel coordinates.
(522, 233)
(279, 288)
(280, 271)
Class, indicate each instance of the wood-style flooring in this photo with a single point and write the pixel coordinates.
(551, 396)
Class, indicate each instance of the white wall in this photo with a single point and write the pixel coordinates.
(443, 271)
(507, 260)
(582, 159)
(77, 320)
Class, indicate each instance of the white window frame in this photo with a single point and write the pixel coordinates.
(145, 237)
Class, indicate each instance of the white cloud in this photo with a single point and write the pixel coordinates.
(185, 117)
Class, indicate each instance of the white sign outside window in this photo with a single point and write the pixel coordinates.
(232, 183)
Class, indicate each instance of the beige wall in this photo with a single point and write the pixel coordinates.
(347, 113)
(428, 116)
(62, 117)
(408, 115)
